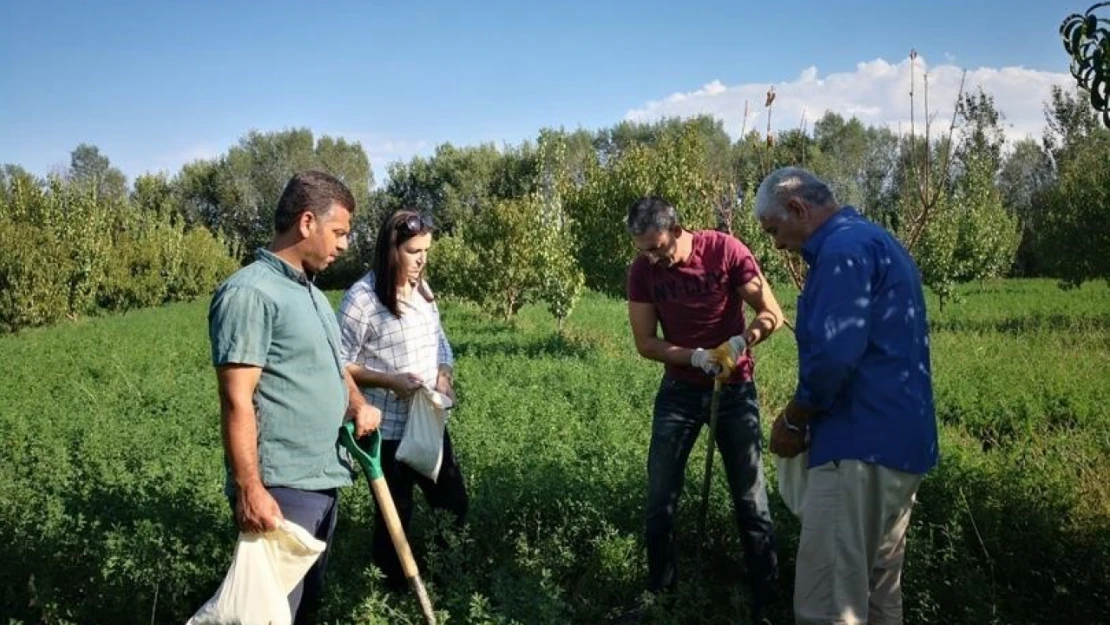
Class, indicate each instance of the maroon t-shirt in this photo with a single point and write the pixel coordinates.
(698, 302)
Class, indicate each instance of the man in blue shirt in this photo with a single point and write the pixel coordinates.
(863, 407)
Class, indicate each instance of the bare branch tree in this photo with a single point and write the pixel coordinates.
(921, 165)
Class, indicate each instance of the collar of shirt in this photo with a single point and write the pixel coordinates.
(813, 244)
(279, 265)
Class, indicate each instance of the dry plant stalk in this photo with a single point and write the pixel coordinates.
(928, 192)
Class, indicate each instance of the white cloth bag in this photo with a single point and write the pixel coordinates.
(792, 474)
(422, 443)
(266, 567)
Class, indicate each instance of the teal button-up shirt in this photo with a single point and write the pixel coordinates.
(269, 315)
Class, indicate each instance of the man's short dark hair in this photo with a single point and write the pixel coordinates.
(313, 191)
(650, 212)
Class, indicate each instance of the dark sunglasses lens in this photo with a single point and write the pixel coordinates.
(415, 223)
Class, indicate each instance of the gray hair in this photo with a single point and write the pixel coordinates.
(650, 212)
(785, 183)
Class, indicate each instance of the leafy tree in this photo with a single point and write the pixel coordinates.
(561, 280)
(235, 195)
(1026, 173)
(1076, 228)
(456, 184)
(614, 141)
(503, 238)
(987, 235)
(154, 193)
(1074, 231)
(88, 166)
(675, 169)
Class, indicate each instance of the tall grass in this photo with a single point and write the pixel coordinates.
(111, 473)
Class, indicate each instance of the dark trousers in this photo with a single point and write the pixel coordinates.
(680, 412)
(316, 511)
(447, 493)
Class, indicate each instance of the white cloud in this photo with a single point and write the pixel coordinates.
(877, 92)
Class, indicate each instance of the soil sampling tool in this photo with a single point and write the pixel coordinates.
(714, 405)
(367, 451)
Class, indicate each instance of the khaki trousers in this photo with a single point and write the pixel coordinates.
(850, 553)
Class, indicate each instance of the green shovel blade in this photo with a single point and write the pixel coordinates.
(366, 450)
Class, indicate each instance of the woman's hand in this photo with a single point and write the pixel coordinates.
(445, 383)
(405, 384)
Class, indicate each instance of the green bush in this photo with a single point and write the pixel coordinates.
(34, 284)
(72, 253)
(134, 273)
(203, 262)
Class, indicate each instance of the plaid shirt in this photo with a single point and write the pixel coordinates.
(375, 339)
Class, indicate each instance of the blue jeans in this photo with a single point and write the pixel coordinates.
(316, 512)
(680, 412)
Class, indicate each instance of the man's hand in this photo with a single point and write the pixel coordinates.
(367, 417)
(703, 359)
(405, 384)
(787, 442)
(256, 510)
(726, 355)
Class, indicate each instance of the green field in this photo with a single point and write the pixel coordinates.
(111, 473)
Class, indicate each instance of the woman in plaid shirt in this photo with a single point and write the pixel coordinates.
(393, 343)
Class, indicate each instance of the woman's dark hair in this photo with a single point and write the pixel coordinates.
(397, 227)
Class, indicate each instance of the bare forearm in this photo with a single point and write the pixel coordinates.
(240, 434)
(659, 350)
(364, 378)
(763, 326)
(445, 373)
(354, 396)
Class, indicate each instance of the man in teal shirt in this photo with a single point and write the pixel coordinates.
(284, 392)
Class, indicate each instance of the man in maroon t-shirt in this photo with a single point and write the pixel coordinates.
(694, 284)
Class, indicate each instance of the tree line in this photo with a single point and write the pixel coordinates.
(541, 220)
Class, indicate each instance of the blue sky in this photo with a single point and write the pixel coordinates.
(156, 84)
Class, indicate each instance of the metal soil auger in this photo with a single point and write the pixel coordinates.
(714, 405)
(723, 355)
(367, 451)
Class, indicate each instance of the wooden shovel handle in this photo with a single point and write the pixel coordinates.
(401, 544)
(393, 523)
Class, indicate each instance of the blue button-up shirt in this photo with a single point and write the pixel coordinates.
(863, 349)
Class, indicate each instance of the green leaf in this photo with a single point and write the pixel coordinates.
(1069, 23)
(1098, 93)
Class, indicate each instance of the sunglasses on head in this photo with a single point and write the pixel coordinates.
(414, 224)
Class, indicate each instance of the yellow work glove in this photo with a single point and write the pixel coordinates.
(726, 355)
